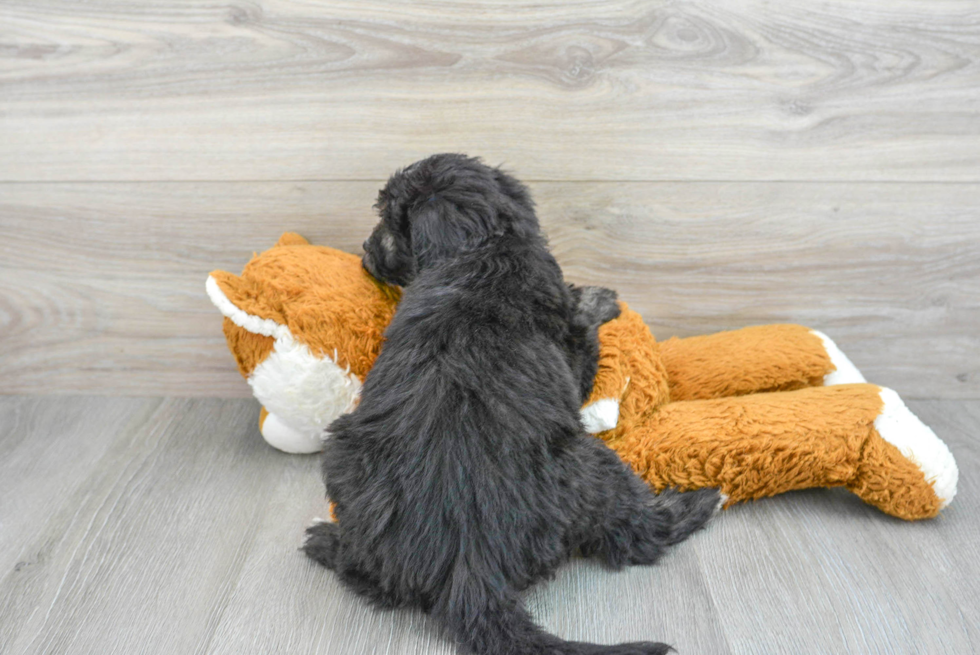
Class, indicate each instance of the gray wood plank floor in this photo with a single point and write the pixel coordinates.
(142, 525)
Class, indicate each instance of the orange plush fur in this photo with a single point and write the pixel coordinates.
(743, 410)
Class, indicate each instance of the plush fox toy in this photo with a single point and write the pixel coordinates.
(756, 411)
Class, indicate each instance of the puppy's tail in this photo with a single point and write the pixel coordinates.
(487, 618)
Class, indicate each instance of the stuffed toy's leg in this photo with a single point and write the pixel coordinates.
(860, 436)
(286, 438)
(762, 358)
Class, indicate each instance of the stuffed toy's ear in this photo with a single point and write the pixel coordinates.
(248, 349)
(292, 239)
(242, 301)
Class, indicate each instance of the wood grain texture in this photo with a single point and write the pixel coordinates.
(164, 526)
(102, 285)
(143, 553)
(46, 454)
(629, 89)
(821, 572)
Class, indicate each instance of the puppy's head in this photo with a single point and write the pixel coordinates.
(440, 206)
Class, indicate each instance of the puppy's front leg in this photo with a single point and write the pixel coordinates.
(593, 307)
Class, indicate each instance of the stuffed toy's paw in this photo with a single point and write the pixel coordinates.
(282, 436)
(905, 469)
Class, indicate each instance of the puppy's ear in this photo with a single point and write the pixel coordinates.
(440, 229)
(516, 205)
(513, 189)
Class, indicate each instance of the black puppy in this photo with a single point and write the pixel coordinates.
(464, 475)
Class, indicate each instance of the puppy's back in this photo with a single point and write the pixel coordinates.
(457, 479)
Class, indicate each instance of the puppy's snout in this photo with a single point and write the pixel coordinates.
(366, 257)
(368, 264)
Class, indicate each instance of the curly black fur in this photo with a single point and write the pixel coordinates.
(464, 475)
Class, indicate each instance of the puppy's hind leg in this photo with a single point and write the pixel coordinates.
(324, 546)
(637, 526)
(322, 543)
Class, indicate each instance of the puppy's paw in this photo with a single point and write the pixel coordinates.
(689, 511)
(722, 499)
(597, 305)
(322, 542)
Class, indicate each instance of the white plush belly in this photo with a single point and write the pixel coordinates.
(304, 391)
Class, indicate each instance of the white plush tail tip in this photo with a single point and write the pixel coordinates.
(919, 444)
(845, 372)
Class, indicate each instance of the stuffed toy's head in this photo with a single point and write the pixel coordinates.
(305, 325)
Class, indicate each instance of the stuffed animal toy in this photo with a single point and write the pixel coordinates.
(756, 412)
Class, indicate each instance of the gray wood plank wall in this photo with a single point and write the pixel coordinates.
(102, 284)
(622, 89)
(721, 165)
